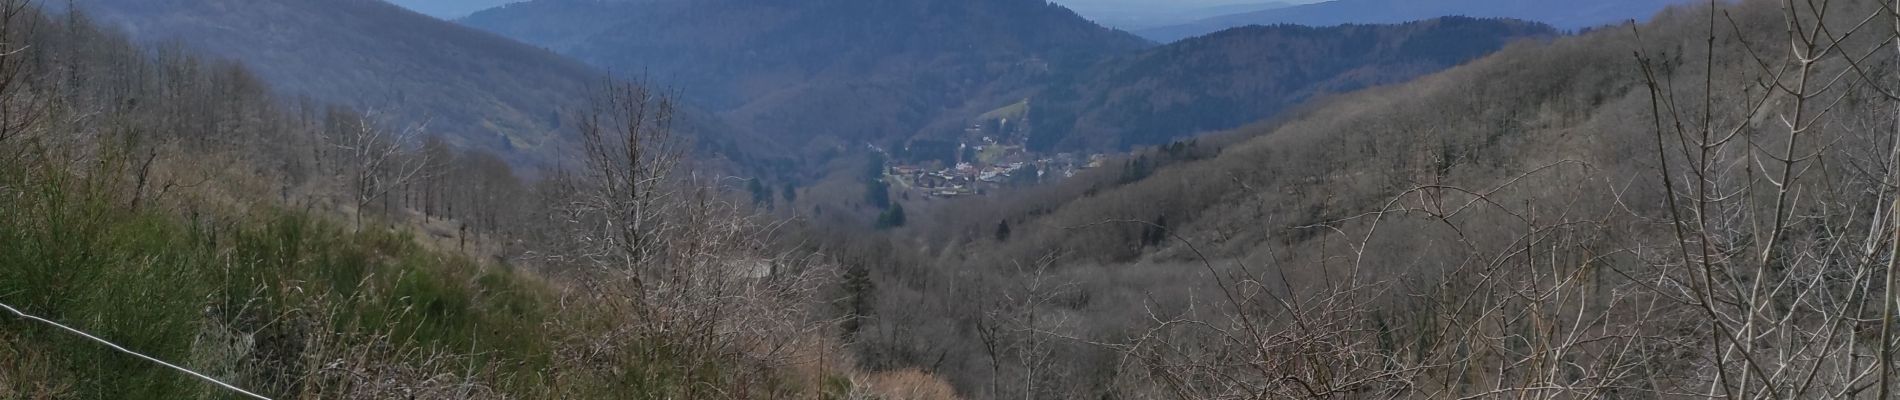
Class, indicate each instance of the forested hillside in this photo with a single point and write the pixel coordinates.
(1644, 211)
(1238, 76)
(174, 209)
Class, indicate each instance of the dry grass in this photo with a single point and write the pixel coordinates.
(26, 373)
(907, 384)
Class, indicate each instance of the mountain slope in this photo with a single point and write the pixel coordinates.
(1228, 79)
(808, 70)
(480, 90)
(1564, 14)
(1555, 131)
(240, 249)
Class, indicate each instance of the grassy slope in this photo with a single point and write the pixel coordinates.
(157, 284)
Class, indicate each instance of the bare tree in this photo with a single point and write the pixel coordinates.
(631, 161)
(691, 269)
(1021, 335)
(1777, 255)
(374, 159)
(18, 111)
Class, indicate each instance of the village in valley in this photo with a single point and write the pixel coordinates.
(991, 153)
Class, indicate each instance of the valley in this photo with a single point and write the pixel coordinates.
(949, 199)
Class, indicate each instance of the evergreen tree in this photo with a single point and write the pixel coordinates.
(1155, 234)
(893, 218)
(878, 194)
(760, 195)
(859, 291)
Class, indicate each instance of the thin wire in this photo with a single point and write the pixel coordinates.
(121, 349)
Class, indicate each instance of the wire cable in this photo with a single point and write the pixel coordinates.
(122, 349)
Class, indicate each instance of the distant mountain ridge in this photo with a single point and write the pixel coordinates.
(1138, 15)
(1564, 14)
(826, 73)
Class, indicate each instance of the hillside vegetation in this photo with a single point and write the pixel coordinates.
(1635, 212)
(169, 203)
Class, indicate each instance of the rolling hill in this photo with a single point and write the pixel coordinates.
(1564, 14)
(1404, 185)
(1227, 79)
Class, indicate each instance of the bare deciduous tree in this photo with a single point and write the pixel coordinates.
(375, 160)
(692, 270)
(18, 110)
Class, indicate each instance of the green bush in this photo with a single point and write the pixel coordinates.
(155, 283)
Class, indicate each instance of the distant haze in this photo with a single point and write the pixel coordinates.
(450, 9)
(1164, 4)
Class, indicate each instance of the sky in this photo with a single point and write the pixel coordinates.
(1163, 4)
(449, 9)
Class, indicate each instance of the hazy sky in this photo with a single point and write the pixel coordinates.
(459, 8)
(1170, 3)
